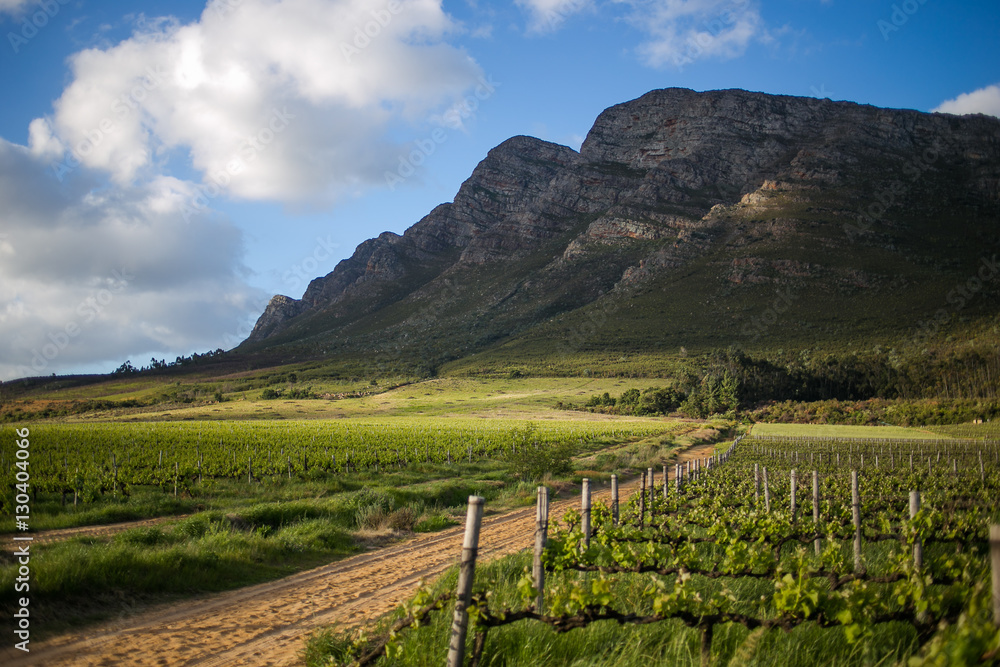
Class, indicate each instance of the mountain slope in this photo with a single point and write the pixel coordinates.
(686, 219)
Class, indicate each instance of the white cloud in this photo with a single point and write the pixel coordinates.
(93, 275)
(13, 6)
(548, 15)
(297, 101)
(684, 31)
(985, 100)
(341, 73)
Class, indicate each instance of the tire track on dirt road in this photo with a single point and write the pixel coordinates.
(266, 624)
(101, 530)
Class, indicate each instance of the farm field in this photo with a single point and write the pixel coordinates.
(535, 398)
(270, 621)
(745, 564)
(846, 431)
(150, 513)
(225, 504)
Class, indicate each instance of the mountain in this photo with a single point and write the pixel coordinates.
(687, 221)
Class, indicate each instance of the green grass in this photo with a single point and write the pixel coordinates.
(988, 430)
(207, 552)
(843, 431)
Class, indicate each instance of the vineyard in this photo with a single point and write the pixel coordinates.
(87, 462)
(792, 550)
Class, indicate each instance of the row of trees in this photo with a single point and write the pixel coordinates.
(713, 394)
(158, 364)
(728, 382)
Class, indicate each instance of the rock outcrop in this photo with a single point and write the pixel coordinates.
(657, 183)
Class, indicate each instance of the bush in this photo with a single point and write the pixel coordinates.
(371, 508)
(405, 518)
(530, 460)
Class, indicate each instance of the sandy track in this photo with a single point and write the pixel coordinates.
(103, 530)
(267, 624)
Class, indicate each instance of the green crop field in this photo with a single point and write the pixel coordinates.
(259, 499)
(756, 560)
(845, 431)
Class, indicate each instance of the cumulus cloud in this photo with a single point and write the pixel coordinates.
(985, 100)
(110, 248)
(681, 32)
(339, 74)
(13, 6)
(92, 274)
(548, 15)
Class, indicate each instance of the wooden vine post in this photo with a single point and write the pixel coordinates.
(856, 515)
(466, 574)
(756, 484)
(541, 539)
(995, 566)
(918, 547)
(794, 483)
(585, 512)
(816, 543)
(665, 480)
(614, 500)
(642, 501)
(652, 492)
(767, 493)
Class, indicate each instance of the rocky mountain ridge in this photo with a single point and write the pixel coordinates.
(745, 189)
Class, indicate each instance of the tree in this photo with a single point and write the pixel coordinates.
(126, 369)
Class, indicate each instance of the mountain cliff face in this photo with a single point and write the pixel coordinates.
(684, 206)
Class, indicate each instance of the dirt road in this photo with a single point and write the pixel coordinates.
(105, 530)
(268, 623)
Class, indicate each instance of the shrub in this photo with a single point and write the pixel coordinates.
(371, 508)
(530, 460)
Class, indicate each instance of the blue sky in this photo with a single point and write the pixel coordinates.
(163, 173)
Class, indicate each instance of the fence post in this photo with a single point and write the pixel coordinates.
(756, 484)
(767, 493)
(466, 573)
(856, 515)
(541, 538)
(585, 512)
(614, 500)
(642, 500)
(816, 543)
(918, 548)
(794, 483)
(666, 478)
(995, 566)
(652, 493)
